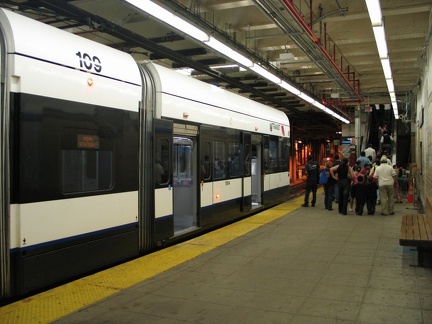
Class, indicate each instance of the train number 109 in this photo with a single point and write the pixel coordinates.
(89, 63)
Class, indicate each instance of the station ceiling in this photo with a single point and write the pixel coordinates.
(326, 48)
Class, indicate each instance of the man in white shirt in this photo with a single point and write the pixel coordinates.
(387, 179)
(370, 152)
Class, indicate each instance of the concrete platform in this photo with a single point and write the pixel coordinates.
(286, 265)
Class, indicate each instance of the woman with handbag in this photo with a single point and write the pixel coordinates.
(343, 174)
(329, 187)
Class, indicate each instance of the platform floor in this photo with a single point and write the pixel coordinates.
(285, 265)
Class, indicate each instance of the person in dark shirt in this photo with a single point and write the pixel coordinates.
(337, 161)
(371, 195)
(312, 170)
(343, 174)
(329, 188)
(359, 190)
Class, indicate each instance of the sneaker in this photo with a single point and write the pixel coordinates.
(392, 213)
(305, 205)
(384, 214)
(350, 209)
(330, 209)
(313, 205)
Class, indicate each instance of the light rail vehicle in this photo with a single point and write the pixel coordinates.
(104, 159)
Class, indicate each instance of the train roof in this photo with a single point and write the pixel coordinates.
(182, 86)
(31, 38)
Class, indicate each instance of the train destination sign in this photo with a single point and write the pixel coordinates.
(88, 141)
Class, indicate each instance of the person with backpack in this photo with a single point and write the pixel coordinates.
(329, 185)
(386, 143)
(312, 170)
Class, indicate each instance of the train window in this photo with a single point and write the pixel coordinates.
(283, 152)
(161, 167)
(219, 163)
(86, 170)
(205, 162)
(183, 163)
(87, 160)
(234, 159)
(273, 152)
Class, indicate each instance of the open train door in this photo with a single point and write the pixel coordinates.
(257, 181)
(247, 179)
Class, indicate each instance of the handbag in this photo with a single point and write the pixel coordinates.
(349, 176)
(323, 177)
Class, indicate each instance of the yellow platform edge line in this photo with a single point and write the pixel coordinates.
(58, 302)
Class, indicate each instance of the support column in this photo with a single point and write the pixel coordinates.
(357, 130)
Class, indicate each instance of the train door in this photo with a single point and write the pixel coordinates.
(185, 179)
(247, 179)
(256, 170)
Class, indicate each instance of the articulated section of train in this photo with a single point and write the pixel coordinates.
(103, 159)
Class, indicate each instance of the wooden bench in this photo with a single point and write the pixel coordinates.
(416, 231)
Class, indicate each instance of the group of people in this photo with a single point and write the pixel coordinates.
(370, 181)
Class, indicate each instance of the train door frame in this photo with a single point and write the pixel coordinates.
(206, 185)
(5, 261)
(163, 193)
(257, 181)
(247, 177)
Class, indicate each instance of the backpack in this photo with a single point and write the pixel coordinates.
(323, 177)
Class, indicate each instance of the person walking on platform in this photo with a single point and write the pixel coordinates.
(370, 151)
(336, 161)
(371, 195)
(343, 174)
(359, 190)
(312, 170)
(362, 159)
(386, 144)
(387, 181)
(329, 188)
(398, 189)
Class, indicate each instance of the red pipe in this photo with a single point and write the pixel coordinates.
(315, 39)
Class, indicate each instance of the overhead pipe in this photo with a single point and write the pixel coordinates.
(309, 31)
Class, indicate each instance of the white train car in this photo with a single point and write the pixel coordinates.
(102, 159)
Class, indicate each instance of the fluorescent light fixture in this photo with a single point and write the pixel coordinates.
(183, 26)
(390, 85)
(374, 9)
(305, 97)
(265, 74)
(167, 17)
(386, 68)
(228, 52)
(321, 106)
(375, 14)
(381, 42)
(290, 88)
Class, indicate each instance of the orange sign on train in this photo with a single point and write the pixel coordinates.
(88, 141)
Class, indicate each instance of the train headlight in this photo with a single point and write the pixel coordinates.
(90, 81)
